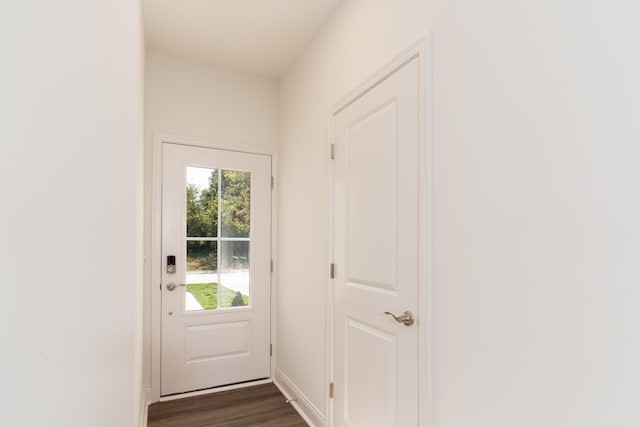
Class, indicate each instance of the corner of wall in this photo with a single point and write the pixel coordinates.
(145, 398)
(300, 402)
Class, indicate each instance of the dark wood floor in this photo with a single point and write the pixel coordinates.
(261, 405)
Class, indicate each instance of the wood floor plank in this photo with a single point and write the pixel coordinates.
(261, 405)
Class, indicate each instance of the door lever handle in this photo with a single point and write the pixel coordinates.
(406, 317)
(172, 286)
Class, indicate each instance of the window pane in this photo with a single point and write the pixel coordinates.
(234, 208)
(202, 202)
(234, 274)
(202, 275)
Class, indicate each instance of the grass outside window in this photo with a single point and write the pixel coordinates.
(207, 296)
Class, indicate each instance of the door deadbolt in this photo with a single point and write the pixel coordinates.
(171, 264)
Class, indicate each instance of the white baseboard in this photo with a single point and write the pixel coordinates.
(144, 408)
(305, 408)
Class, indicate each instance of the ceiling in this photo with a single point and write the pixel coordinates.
(261, 37)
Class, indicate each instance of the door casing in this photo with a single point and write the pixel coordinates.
(423, 50)
(156, 253)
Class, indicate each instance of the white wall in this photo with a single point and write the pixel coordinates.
(142, 398)
(71, 130)
(186, 98)
(192, 99)
(536, 229)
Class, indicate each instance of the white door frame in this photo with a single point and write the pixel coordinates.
(423, 50)
(156, 242)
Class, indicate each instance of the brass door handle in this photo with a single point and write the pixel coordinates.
(406, 317)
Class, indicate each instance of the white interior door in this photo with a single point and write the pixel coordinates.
(375, 367)
(216, 230)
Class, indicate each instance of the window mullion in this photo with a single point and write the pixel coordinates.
(219, 234)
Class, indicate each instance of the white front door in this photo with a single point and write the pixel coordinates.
(216, 231)
(376, 188)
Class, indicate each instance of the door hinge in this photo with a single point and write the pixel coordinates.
(332, 271)
(160, 285)
(272, 266)
(270, 349)
(331, 391)
(272, 183)
(333, 151)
